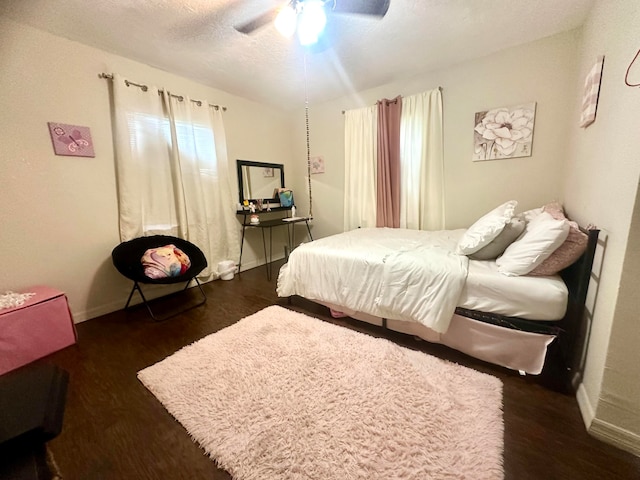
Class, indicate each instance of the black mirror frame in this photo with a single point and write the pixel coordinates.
(251, 163)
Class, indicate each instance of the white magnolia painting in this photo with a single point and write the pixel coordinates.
(505, 132)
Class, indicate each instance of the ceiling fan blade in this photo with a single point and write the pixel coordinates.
(257, 22)
(376, 8)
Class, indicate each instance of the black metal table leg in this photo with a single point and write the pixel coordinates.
(306, 222)
(270, 251)
(264, 247)
(241, 247)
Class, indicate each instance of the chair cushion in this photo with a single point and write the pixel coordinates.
(166, 261)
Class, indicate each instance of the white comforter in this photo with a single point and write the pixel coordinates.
(391, 273)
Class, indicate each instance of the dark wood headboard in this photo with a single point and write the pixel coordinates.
(577, 275)
(563, 368)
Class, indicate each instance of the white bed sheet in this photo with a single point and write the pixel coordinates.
(529, 297)
(485, 289)
(391, 273)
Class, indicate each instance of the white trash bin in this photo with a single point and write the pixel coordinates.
(226, 269)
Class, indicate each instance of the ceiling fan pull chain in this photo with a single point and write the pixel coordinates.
(306, 115)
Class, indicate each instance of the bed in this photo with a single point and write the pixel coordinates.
(429, 285)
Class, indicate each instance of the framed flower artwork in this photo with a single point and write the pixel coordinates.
(505, 132)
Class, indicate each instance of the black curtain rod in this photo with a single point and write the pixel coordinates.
(145, 88)
(394, 100)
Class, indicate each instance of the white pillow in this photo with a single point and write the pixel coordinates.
(486, 228)
(542, 236)
(529, 215)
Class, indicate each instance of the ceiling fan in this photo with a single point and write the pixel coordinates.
(309, 17)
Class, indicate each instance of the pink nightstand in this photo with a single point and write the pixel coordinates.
(40, 326)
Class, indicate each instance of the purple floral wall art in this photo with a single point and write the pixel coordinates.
(71, 140)
(505, 132)
(317, 164)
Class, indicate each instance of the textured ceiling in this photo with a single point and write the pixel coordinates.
(196, 39)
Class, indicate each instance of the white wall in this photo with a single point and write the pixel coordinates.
(543, 71)
(617, 417)
(600, 187)
(59, 220)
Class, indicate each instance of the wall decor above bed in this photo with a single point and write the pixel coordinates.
(591, 93)
(505, 132)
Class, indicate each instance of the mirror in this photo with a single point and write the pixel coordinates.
(259, 180)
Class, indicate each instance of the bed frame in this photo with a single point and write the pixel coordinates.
(566, 355)
(563, 364)
(562, 370)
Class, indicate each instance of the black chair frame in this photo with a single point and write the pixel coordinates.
(127, 260)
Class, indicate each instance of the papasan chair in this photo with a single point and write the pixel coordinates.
(127, 259)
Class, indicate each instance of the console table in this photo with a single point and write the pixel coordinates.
(269, 224)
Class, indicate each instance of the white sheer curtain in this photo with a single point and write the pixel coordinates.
(146, 198)
(361, 138)
(173, 171)
(422, 162)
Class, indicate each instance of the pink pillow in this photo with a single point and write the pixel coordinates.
(569, 251)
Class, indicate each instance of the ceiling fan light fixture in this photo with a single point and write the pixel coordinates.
(306, 37)
(311, 16)
(311, 21)
(286, 21)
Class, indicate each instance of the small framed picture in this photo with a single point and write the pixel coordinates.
(317, 164)
(591, 93)
(71, 140)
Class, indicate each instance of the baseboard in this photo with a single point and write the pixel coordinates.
(260, 263)
(586, 409)
(605, 431)
(84, 315)
(150, 292)
(616, 436)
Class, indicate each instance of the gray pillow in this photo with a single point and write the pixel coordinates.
(498, 245)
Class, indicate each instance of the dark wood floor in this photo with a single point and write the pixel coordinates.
(115, 429)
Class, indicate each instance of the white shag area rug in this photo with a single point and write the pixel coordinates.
(281, 395)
